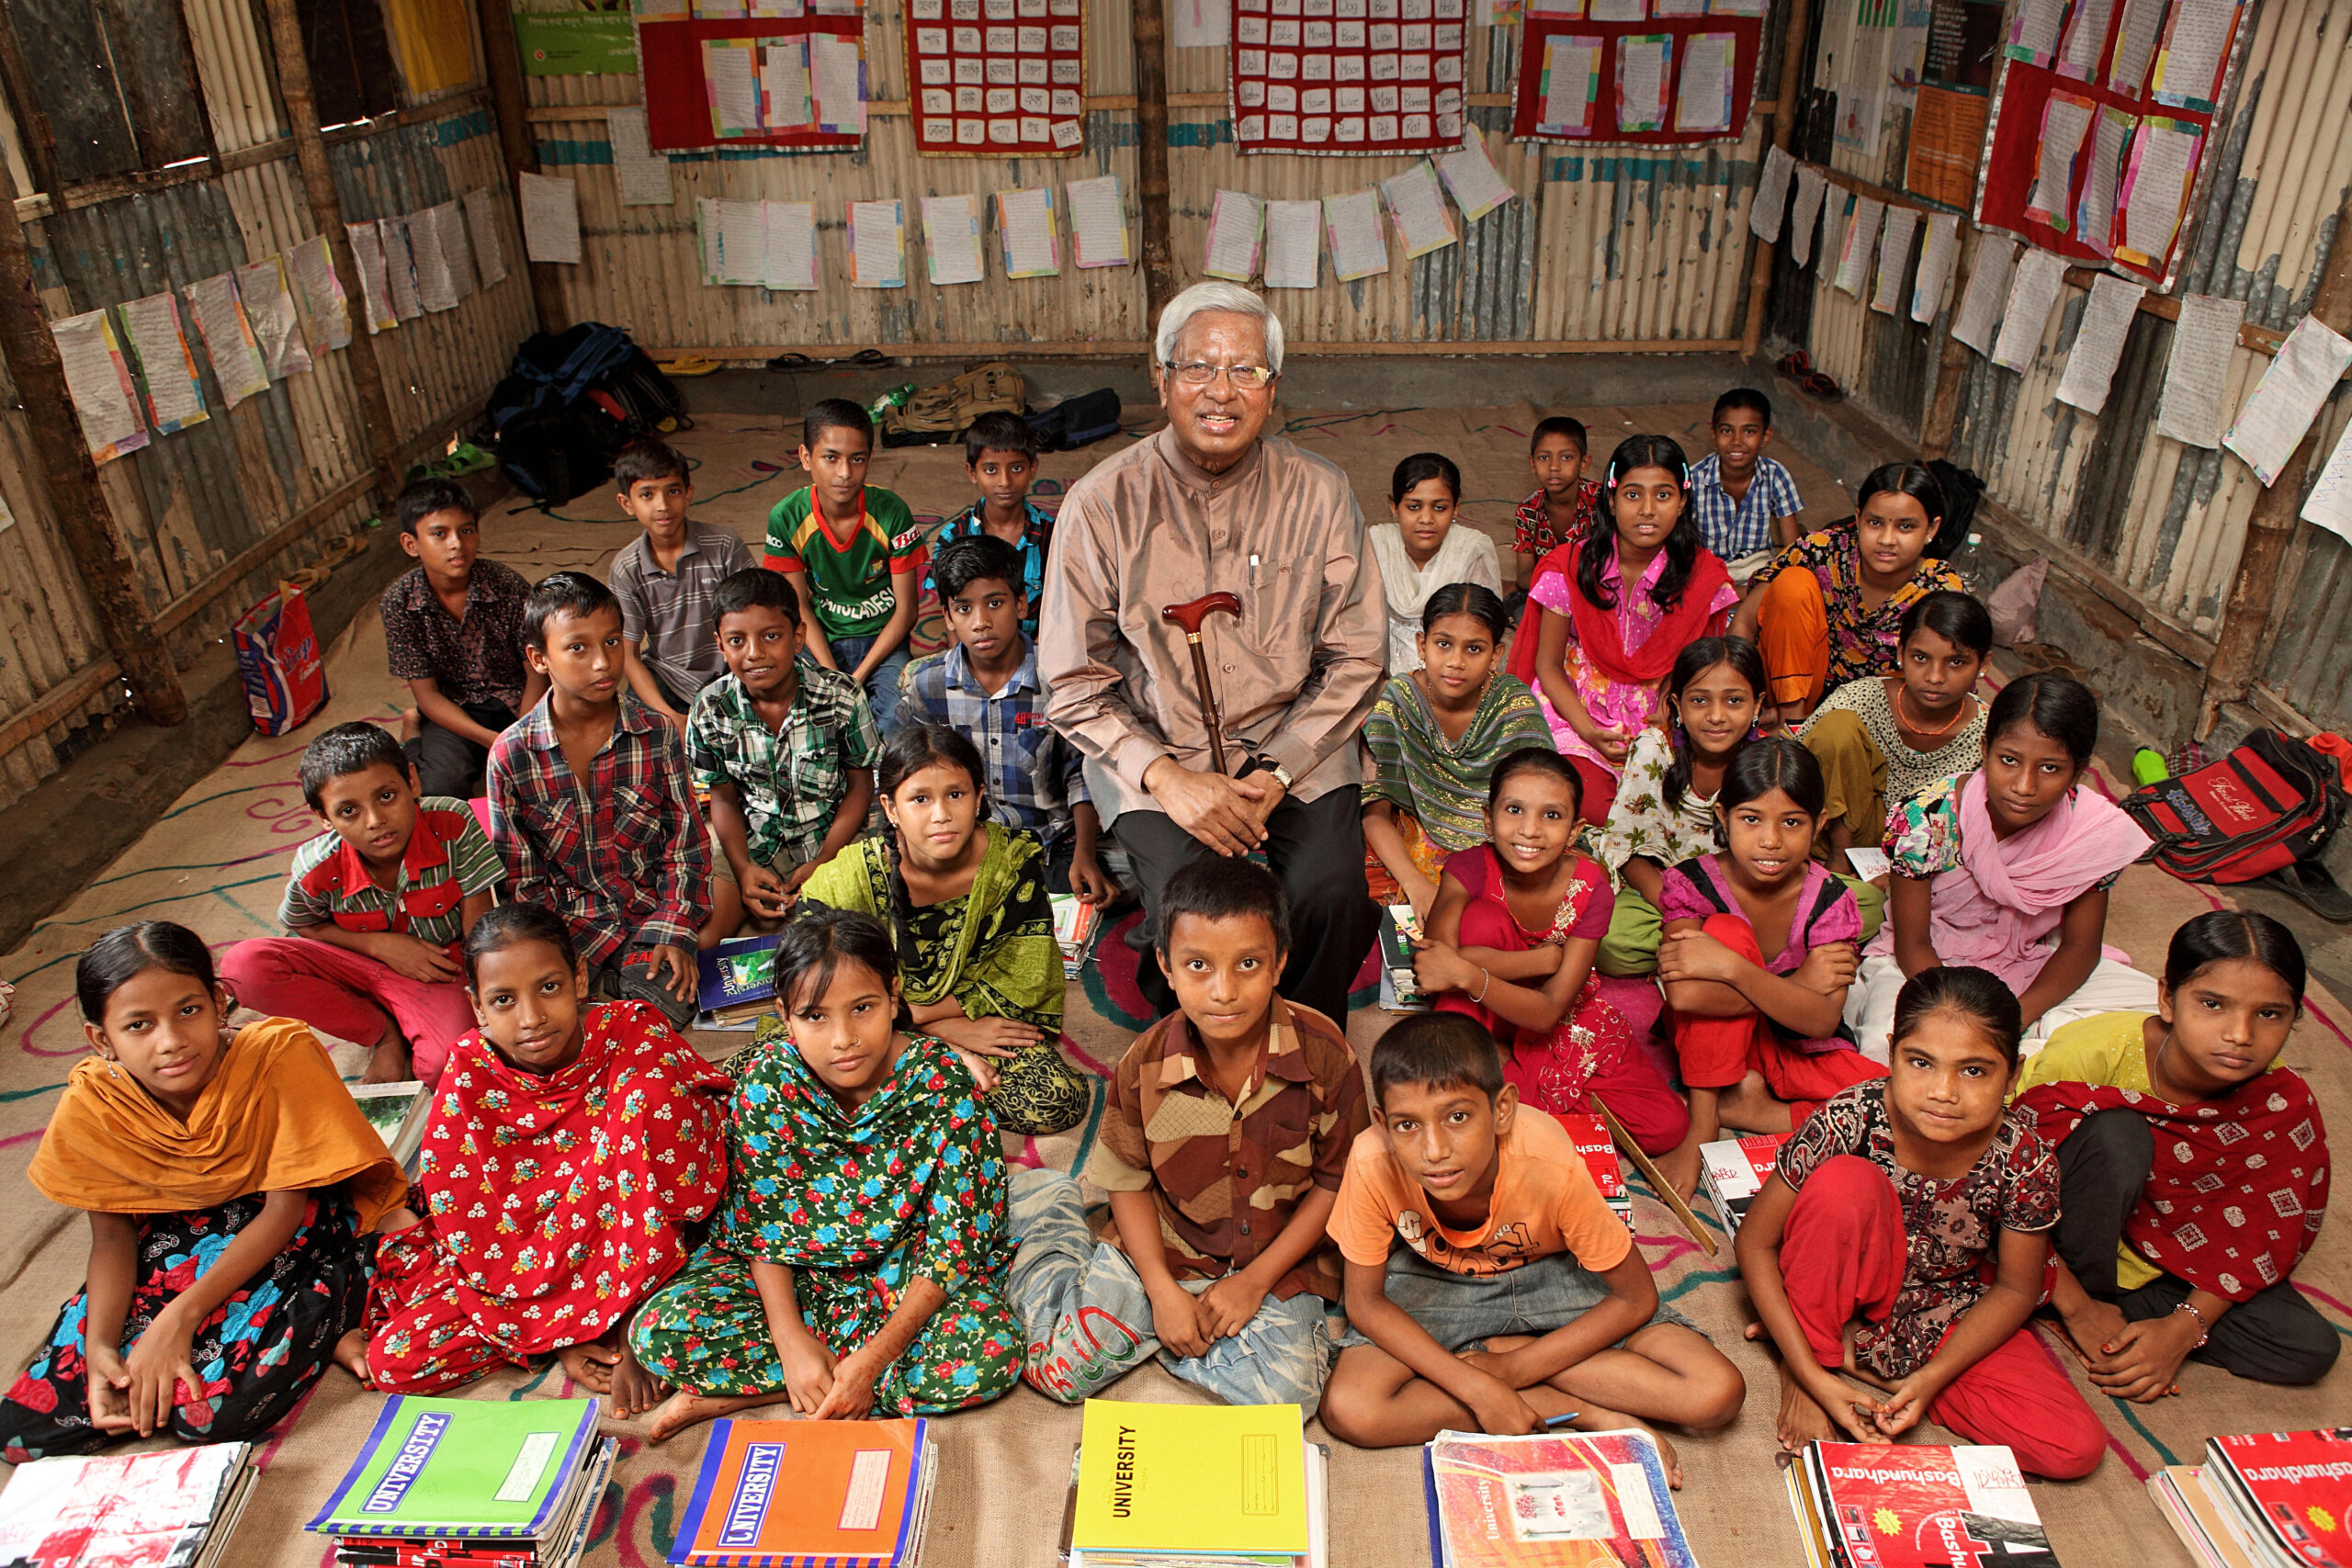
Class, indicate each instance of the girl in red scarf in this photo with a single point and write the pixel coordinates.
(2193, 1171)
(569, 1149)
(1608, 614)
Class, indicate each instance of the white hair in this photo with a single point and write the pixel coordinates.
(1217, 296)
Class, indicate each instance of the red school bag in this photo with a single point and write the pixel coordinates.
(2266, 804)
(278, 659)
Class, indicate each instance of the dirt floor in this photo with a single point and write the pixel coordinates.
(217, 861)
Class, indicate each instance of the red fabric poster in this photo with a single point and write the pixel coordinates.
(1348, 76)
(780, 82)
(1591, 62)
(997, 78)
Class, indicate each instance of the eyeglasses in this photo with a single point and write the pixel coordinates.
(1245, 377)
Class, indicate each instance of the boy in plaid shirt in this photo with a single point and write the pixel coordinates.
(986, 687)
(376, 910)
(1746, 503)
(786, 750)
(589, 806)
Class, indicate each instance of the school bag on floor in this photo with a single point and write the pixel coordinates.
(2266, 806)
(278, 660)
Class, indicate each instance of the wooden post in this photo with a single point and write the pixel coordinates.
(2238, 647)
(504, 59)
(83, 518)
(1149, 22)
(295, 92)
(1784, 120)
(1943, 405)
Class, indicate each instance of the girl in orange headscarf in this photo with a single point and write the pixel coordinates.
(230, 1183)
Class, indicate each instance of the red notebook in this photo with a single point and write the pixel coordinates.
(1922, 1505)
(1599, 1151)
(2298, 1485)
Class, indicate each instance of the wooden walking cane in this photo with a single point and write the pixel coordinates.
(1665, 1189)
(1191, 615)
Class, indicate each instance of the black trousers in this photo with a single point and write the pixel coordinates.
(1317, 849)
(2274, 1336)
(449, 763)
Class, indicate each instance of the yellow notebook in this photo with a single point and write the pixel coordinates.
(1212, 1478)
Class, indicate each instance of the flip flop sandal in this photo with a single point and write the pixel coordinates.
(1795, 364)
(692, 365)
(465, 457)
(871, 358)
(792, 360)
(762, 466)
(2310, 886)
(1820, 384)
(339, 550)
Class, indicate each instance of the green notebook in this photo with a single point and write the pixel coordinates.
(464, 1467)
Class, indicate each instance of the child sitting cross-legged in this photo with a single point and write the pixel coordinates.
(376, 910)
(1227, 1125)
(853, 1266)
(571, 1147)
(1901, 1239)
(230, 1184)
(1516, 1296)
(1512, 943)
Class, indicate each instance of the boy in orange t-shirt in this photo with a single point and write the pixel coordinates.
(1517, 1296)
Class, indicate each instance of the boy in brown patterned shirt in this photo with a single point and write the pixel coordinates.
(1224, 1139)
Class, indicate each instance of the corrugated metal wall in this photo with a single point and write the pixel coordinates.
(290, 460)
(1609, 244)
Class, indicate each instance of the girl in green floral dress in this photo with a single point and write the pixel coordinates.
(854, 1265)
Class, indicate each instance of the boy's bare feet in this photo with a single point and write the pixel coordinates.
(351, 1355)
(389, 1062)
(1593, 1418)
(686, 1408)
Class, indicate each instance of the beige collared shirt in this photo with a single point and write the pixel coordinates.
(1297, 671)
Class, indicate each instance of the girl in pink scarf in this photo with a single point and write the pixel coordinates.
(2006, 868)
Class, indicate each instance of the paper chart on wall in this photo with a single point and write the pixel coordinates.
(270, 308)
(1293, 243)
(1348, 78)
(1644, 65)
(1000, 79)
(1200, 24)
(105, 402)
(2095, 208)
(324, 304)
(2065, 120)
(2157, 175)
(1098, 222)
(175, 399)
(643, 174)
(2274, 419)
(399, 268)
(1861, 92)
(2085, 39)
(734, 235)
(1618, 11)
(1893, 258)
(1862, 245)
(375, 290)
(878, 245)
(837, 70)
(228, 337)
(1979, 321)
(788, 262)
(1416, 206)
(451, 218)
(2330, 503)
(2034, 292)
(1832, 220)
(732, 79)
(1237, 224)
(550, 218)
(1770, 208)
(1025, 226)
(1571, 84)
(481, 226)
(1810, 188)
(1703, 95)
(435, 289)
(2098, 342)
(2033, 30)
(2188, 61)
(2135, 46)
(1351, 223)
(951, 238)
(788, 98)
(2191, 407)
(1935, 265)
(1477, 186)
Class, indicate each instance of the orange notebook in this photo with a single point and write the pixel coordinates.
(823, 1494)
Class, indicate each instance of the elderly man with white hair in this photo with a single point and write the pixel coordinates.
(1213, 503)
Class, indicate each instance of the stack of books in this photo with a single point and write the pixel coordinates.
(1400, 988)
(1913, 1505)
(1075, 925)
(1551, 1500)
(2264, 1500)
(1734, 1170)
(172, 1508)
(738, 982)
(398, 1112)
(846, 1493)
(1599, 1151)
(1196, 1486)
(495, 1483)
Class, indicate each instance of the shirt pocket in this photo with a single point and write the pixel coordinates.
(639, 822)
(550, 823)
(434, 902)
(1286, 595)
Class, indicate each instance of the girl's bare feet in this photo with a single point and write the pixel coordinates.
(686, 1408)
(1680, 1166)
(351, 1355)
(635, 1390)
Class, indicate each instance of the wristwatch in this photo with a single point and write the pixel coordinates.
(1282, 775)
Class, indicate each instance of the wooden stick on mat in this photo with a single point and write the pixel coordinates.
(1665, 1189)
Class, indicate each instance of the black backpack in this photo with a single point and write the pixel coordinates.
(1074, 422)
(553, 454)
(570, 401)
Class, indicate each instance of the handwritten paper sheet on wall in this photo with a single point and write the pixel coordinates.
(1893, 258)
(1293, 243)
(2095, 208)
(2330, 502)
(643, 173)
(2033, 291)
(481, 226)
(1098, 222)
(951, 238)
(2188, 63)
(2156, 188)
(1979, 322)
(2098, 342)
(2065, 120)
(1935, 265)
(1200, 24)
(1359, 249)
(435, 288)
(1236, 223)
(1810, 189)
(1416, 205)
(99, 384)
(1704, 93)
(324, 304)
(550, 218)
(2273, 421)
(2191, 409)
(270, 308)
(790, 242)
(1770, 209)
(878, 245)
(175, 401)
(399, 268)
(1862, 245)
(375, 290)
(1571, 84)
(1025, 219)
(228, 337)
(1477, 186)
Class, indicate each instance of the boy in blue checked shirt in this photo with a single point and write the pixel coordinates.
(786, 750)
(986, 686)
(1747, 503)
(1001, 454)
(589, 806)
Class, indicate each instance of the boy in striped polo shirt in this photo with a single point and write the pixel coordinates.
(375, 911)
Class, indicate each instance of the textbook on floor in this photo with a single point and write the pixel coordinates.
(172, 1508)
(464, 1468)
(1551, 1500)
(1915, 1505)
(843, 1494)
(1167, 1479)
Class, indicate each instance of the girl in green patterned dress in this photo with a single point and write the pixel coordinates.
(964, 900)
(853, 1266)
